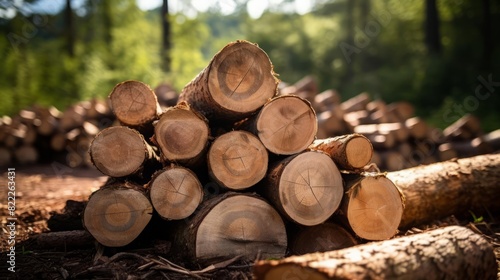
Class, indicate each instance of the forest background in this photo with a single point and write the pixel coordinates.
(440, 55)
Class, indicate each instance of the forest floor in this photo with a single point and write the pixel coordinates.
(43, 191)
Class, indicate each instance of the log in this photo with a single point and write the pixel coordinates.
(237, 160)
(232, 225)
(236, 83)
(175, 192)
(326, 100)
(381, 140)
(445, 188)
(447, 253)
(26, 154)
(134, 104)
(356, 103)
(373, 206)
(467, 127)
(49, 120)
(399, 131)
(72, 239)
(98, 109)
(464, 148)
(324, 237)
(330, 124)
(72, 117)
(305, 188)
(417, 127)
(182, 135)
(5, 156)
(402, 109)
(166, 94)
(120, 151)
(286, 125)
(350, 151)
(493, 139)
(305, 88)
(117, 213)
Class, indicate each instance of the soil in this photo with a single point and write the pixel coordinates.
(49, 198)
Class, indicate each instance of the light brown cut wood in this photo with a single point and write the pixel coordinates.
(98, 109)
(373, 206)
(134, 103)
(330, 124)
(356, 103)
(350, 151)
(120, 151)
(326, 101)
(402, 109)
(441, 189)
(236, 83)
(182, 135)
(116, 214)
(175, 192)
(493, 139)
(306, 88)
(72, 117)
(381, 140)
(447, 253)
(49, 120)
(237, 160)
(467, 127)
(399, 131)
(286, 125)
(393, 160)
(417, 127)
(357, 118)
(306, 188)
(26, 154)
(324, 237)
(232, 225)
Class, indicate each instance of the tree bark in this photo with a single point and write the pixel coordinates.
(182, 135)
(237, 82)
(120, 151)
(448, 253)
(286, 125)
(116, 214)
(445, 188)
(166, 42)
(231, 225)
(350, 151)
(306, 188)
(373, 206)
(237, 160)
(175, 192)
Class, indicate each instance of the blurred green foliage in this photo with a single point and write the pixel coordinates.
(388, 56)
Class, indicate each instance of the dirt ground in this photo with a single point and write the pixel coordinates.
(43, 191)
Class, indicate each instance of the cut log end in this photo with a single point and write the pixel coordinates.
(241, 77)
(241, 225)
(310, 188)
(287, 125)
(375, 208)
(116, 215)
(134, 103)
(357, 152)
(237, 160)
(181, 134)
(118, 151)
(175, 193)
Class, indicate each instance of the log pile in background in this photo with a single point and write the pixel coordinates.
(400, 139)
(230, 131)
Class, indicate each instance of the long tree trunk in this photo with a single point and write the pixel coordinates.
(70, 30)
(236, 83)
(447, 253)
(432, 34)
(441, 189)
(166, 39)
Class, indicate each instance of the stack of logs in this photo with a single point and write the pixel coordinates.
(235, 170)
(238, 164)
(400, 139)
(43, 134)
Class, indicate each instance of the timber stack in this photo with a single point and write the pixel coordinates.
(233, 168)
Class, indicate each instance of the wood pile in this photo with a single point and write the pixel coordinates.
(234, 170)
(400, 139)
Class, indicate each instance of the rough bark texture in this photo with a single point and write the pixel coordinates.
(120, 151)
(175, 192)
(232, 225)
(237, 160)
(447, 253)
(306, 188)
(236, 83)
(373, 206)
(182, 135)
(116, 214)
(441, 189)
(351, 151)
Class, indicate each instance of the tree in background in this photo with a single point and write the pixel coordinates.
(166, 44)
(432, 34)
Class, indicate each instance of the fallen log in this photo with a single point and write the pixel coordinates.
(175, 192)
(373, 206)
(350, 151)
(448, 253)
(305, 188)
(232, 225)
(64, 239)
(120, 151)
(182, 135)
(237, 160)
(236, 83)
(117, 213)
(286, 125)
(445, 188)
